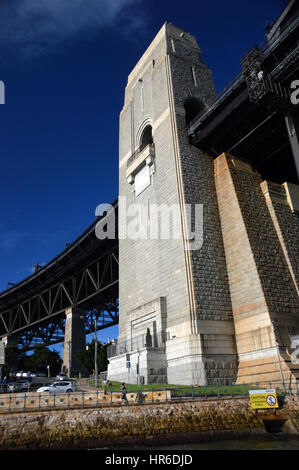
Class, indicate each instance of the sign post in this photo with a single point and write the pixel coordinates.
(263, 399)
(2, 353)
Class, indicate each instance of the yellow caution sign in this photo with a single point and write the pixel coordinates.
(261, 399)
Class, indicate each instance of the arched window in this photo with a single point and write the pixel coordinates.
(146, 137)
(193, 106)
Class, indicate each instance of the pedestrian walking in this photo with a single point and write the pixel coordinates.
(107, 386)
(124, 394)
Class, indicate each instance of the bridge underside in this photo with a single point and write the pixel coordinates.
(83, 278)
(41, 318)
(51, 332)
(255, 134)
(254, 118)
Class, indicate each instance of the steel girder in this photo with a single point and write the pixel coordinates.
(41, 318)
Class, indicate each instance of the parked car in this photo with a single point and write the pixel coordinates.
(44, 387)
(24, 383)
(25, 374)
(41, 374)
(14, 387)
(28, 374)
(61, 376)
(57, 387)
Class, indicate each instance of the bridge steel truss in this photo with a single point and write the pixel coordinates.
(84, 277)
(248, 119)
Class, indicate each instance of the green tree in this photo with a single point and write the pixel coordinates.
(16, 359)
(86, 357)
(148, 338)
(12, 358)
(43, 357)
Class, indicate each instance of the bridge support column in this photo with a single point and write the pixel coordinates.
(9, 340)
(74, 341)
(259, 236)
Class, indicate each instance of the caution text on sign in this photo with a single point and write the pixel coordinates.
(261, 399)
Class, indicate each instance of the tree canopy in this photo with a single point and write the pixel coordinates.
(16, 359)
(86, 357)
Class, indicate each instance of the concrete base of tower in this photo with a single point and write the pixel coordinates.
(201, 370)
(268, 368)
(189, 364)
(181, 362)
(145, 366)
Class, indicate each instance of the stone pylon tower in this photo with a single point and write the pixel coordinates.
(176, 323)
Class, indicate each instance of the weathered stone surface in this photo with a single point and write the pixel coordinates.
(261, 239)
(141, 424)
(74, 341)
(196, 314)
(230, 307)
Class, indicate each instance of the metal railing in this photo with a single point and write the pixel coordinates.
(155, 340)
(227, 90)
(138, 152)
(15, 402)
(235, 82)
(232, 390)
(216, 390)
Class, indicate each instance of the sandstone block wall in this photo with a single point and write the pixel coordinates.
(151, 424)
(260, 271)
(197, 318)
(230, 306)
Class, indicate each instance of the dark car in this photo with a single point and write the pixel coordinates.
(25, 384)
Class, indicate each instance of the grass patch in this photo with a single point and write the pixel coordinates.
(180, 390)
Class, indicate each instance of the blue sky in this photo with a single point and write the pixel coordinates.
(65, 66)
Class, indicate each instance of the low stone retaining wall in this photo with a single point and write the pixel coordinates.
(142, 425)
(11, 402)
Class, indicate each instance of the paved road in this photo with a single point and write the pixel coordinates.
(81, 384)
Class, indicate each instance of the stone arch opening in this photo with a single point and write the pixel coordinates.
(146, 137)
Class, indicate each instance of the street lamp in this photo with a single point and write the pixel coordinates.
(70, 358)
(96, 353)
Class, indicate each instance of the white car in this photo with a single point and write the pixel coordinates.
(57, 387)
(25, 374)
(29, 374)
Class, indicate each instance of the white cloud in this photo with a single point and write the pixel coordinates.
(34, 27)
